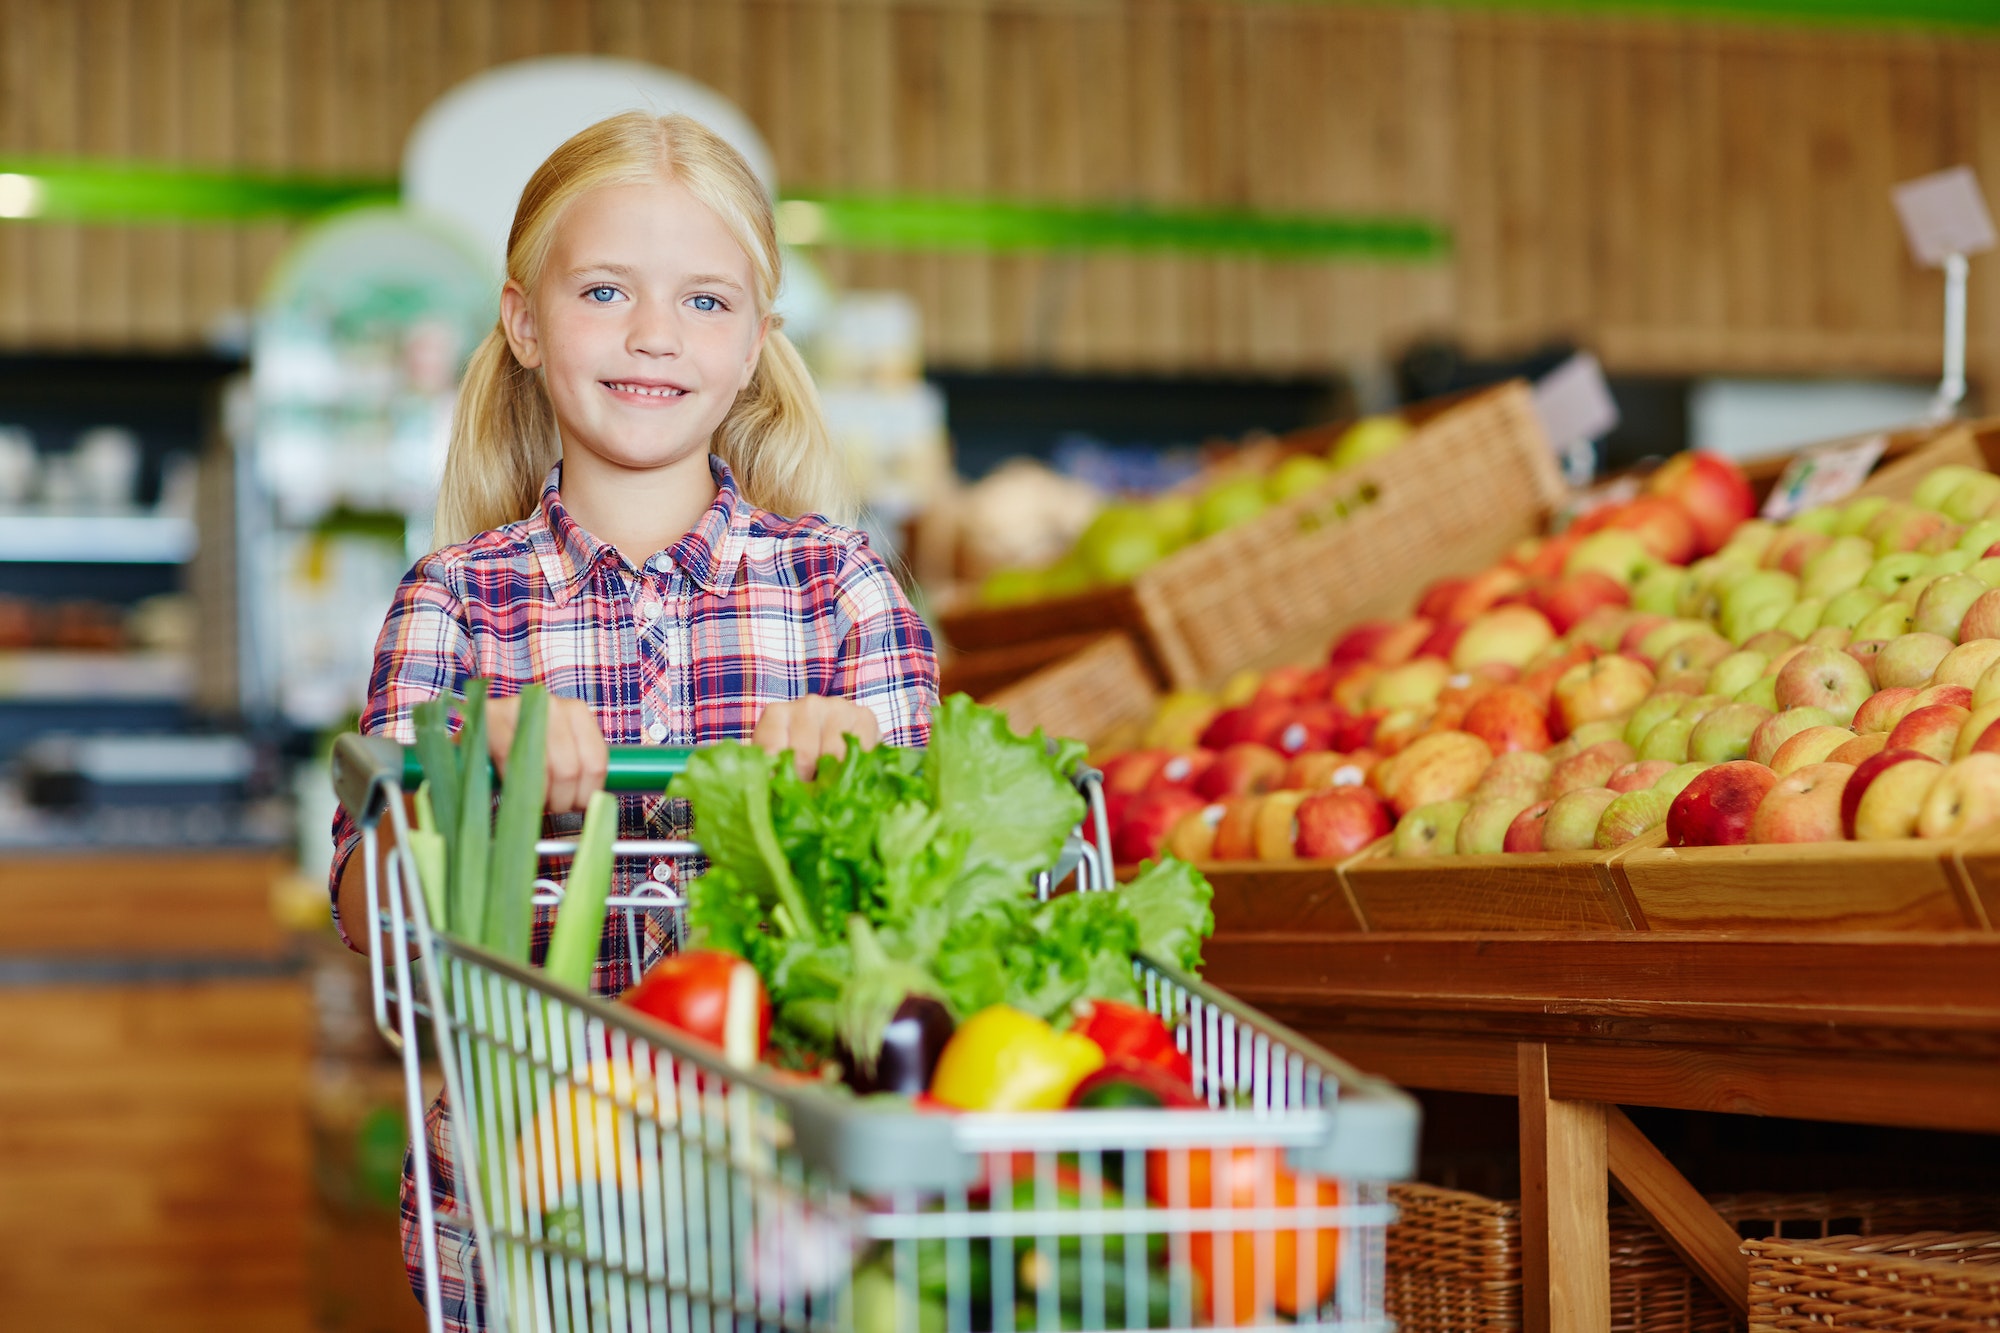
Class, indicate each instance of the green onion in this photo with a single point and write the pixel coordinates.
(440, 761)
(475, 815)
(580, 924)
(428, 851)
(510, 885)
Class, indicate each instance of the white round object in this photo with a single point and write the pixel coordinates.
(474, 148)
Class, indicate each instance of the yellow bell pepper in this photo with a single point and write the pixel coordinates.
(1001, 1059)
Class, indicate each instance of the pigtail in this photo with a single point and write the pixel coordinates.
(777, 443)
(503, 442)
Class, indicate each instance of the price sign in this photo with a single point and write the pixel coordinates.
(1944, 214)
(1821, 476)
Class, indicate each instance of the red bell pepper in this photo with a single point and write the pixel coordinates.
(1127, 1032)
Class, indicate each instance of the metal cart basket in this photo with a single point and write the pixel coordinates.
(620, 1177)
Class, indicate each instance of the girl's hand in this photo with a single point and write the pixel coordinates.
(813, 728)
(577, 754)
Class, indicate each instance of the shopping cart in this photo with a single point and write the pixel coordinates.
(620, 1177)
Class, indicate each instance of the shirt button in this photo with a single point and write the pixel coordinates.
(662, 870)
(649, 609)
(658, 731)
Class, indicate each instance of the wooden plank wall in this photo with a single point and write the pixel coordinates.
(1684, 196)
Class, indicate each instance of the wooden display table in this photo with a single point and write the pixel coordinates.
(1887, 1029)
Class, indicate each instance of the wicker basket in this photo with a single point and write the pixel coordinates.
(1930, 1282)
(1473, 479)
(1091, 695)
(1455, 1257)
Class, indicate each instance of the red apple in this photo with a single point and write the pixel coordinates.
(1508, 718)
(1337, 823)
(1245, 768)
(1286, 684)
(1181, 769)
(1236, 831)
(1882, 710)
(1713, 491)
(1638, 775)
(1131, 772)
(1592, 767)
(1311, 770)
(1567, 603)
(1853, 752)
(1716, 808)
(1525, 833)
(1148, 820)
(1958, 696)
(1443, 640)
(1443, 766)
(1814, 745)
(1885, 795)
(1358, 643)
(1865, 651)
(1306, 727)
(1803, 806)
(1666, 528)
(1484, 590)
(1438, 597)
(1931, 731)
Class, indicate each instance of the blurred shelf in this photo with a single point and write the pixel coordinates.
(122, 539)
(51, 677)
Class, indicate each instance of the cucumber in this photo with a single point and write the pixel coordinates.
(467, 907)
(580, 924)
(510, 876)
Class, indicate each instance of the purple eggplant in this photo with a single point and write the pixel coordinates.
(911, 1044)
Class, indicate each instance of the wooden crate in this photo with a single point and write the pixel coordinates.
(1469, 483)
(1812, 888)
(1536, 891)
(1090, 695)
(1291, 897)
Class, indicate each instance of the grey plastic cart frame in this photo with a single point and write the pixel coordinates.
(620, 1177)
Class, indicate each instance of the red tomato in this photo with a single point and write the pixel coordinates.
(1249, 1178)
(711, 995)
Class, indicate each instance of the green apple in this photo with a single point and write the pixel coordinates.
(1802, 618)
(1857, 514)
(1763, 692)
(1756, 602)
(1622, 555)
(1725, 734)
(1229, 502)
(1972, 497)
(1119, 542)
(1987, 571)
(1846, 610)
(1631, 814)
(1657, 640)
(1748, 543)
(1173, 516)
(1836, 569)
(1891, 620)
(1296, 476)
(1700, 706)
(1892, 571)
(1936, 486)
(1370, 437)
(1943, 606)
(1430, 830)
(1735, 671)
(1978, 535)
(1952, 562)
(1912, 590)
(1658, 590)
(1668, 740)
(1652, 710)
(1820, 520)
(1674, 780)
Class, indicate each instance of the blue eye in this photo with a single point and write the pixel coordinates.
(603, 295)
(712, 303)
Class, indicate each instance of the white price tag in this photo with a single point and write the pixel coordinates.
(1821, 476)
(1574, 402)
(1944, 214)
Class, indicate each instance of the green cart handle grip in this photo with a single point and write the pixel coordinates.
(632, 768)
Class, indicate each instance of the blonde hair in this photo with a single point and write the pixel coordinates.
(504, 437)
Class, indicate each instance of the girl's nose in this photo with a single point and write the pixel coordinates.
(655, 330)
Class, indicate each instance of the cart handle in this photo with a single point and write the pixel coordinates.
(364, 766)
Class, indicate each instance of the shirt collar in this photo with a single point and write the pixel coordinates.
(708, 553)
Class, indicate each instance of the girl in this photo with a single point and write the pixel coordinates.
(625, 441)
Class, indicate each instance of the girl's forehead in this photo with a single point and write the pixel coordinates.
(648, 229)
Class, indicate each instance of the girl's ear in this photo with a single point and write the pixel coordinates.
(517, 317)
(756, 353)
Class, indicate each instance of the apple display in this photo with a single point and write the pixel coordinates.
(1802, 806)
(1591, 767)
(1675, 780)
(1775, 730)
(1605, 687)
(1236, 830)
(1413, 684)
(1571, 823)
(1838, 568)
(1911, 593)
(1715, 809)
(1654, 709)
(1430, 830)
(1885, 795)
(1944, 604)
(1910, 659)
(1274, 832)
(1725, 734)
(1823, 678)
(1339, 822)
(1891, 620)
(1483, 830)
(1929, 731)
(1814, 745)
(1846, 610)
(1964, 800)
(1148, 820)
(1631, 814)
(1763, 692)
(1712, 490)
(1860, 748)
(1638, 775)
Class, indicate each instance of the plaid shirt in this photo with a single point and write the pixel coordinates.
(744, 610)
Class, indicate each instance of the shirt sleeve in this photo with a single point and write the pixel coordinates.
(423, 652)
(887, 663)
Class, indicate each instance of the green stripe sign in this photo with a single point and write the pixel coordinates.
(140, 192)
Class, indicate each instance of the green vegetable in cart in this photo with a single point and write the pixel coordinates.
(517, 826)
(431, 854)
(1126, 1084)
(466, 908)
(579, 928)
(893, 1027)
(1001, 1059)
